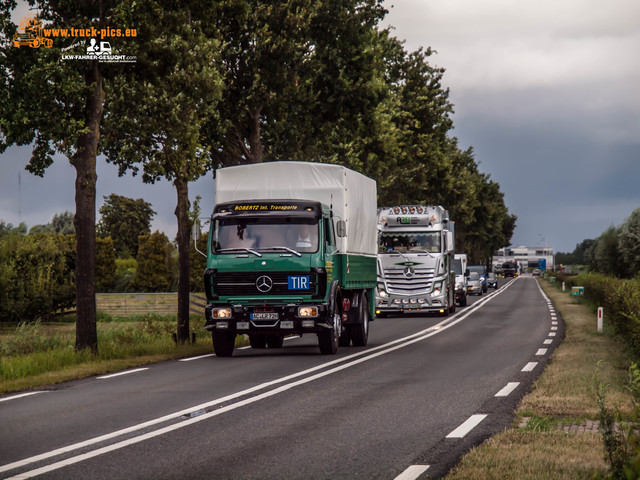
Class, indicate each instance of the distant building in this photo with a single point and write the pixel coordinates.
(529, 258)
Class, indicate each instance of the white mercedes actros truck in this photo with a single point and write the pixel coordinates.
(415, 256)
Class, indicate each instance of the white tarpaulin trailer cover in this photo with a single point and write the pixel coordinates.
(352, 195)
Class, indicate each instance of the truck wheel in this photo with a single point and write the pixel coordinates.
(223, 343)
(360, 331)
(275, 341)
(257, 340)
(329, 339)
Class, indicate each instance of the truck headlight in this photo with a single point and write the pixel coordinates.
(308, 311)
(437, 289)
(221, 313)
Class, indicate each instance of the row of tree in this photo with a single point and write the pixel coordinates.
(240, 81)
(615, 252)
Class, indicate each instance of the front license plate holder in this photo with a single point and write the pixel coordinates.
(265, 316)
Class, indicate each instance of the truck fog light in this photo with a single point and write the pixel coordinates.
(308, 323)
(421, 301)
(396, 301)
(405, 301)
(242, 325)
(222, 325)
(414, 301)
(221, 313)
(308, 311)
(286, 324)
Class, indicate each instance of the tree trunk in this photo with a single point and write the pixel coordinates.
(183, 238)
(84, 221)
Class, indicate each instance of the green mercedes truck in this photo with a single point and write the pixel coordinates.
(291, 251)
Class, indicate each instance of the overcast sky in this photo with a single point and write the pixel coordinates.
(547, 93)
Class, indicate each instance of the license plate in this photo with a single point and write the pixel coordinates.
(298, 282)
(265, 316)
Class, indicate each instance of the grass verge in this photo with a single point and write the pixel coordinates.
(36, 355)
(565, 393)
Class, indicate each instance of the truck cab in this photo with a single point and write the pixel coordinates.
(415, 260)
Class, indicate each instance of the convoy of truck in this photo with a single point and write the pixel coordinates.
(297, 248)
(416, 248)
(292, 250)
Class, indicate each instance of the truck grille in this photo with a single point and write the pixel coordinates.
(246, 283)
(397, 281)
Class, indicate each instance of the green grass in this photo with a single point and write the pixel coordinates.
(36, 355)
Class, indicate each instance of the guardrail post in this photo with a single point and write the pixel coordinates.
(600, 318)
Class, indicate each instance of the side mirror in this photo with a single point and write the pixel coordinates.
(196, 233)
(341, 228)
(449, 237)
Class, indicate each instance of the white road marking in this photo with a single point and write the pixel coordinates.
(529, 367)
(548, 341)
(541, 351)
(554, 328)
(510, 387)
(196, 358)
(127, 372)
(21, 395)
(552, 334)
(472, 422)
(349, 361)
(412, 472)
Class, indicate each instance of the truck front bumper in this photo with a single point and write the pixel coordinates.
(411, 303)
(284, 319)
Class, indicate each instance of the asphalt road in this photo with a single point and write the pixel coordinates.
(421, 394)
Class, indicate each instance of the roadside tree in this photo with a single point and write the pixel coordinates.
(124, 220)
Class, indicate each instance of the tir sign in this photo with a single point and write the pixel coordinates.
(298, 282)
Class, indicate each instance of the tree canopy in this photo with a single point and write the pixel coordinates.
(124, 220)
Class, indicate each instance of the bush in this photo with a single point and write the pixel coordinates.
(37, 276)
(155, 270)
(620, 300)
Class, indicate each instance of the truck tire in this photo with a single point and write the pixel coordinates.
(275, 341)
(257, 340)
(360, 331)
(329, 339)
(223, 343)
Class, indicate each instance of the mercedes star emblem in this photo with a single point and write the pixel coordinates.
(409, 272)
(264, 284)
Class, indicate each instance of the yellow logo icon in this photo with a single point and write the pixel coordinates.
(30, 33)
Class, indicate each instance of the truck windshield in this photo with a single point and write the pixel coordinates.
(265, 234)
(409, 242)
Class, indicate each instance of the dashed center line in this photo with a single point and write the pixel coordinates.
(529, 366)
(541, 351)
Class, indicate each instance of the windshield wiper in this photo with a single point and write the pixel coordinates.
(239, 249)
(280, 247)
